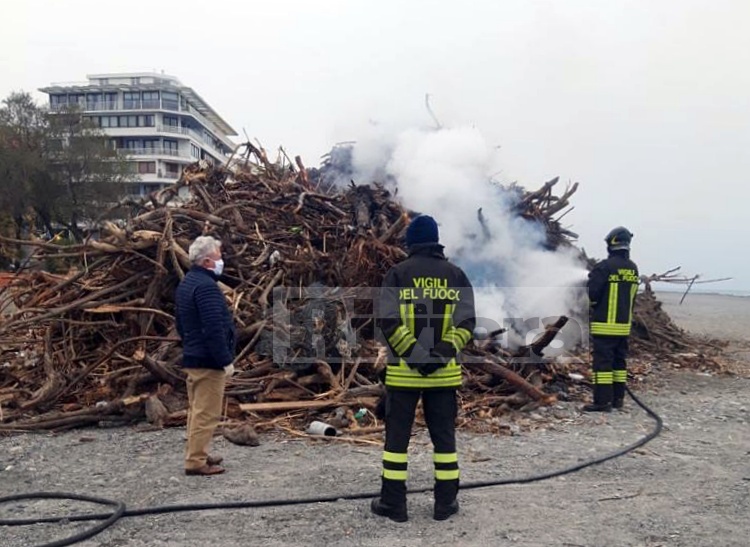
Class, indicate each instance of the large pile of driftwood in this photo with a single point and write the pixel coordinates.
(98, 344)
(656, 338)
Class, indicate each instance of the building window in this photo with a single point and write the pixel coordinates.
(123, 121)
(131, 100)
(169, 100)
(77, 99)
(195, 151)
(132, 144)
(146, 167)
(146, 121)
(170, 147)
(172, 169)
(109, 121)
(93, 101)
(151, 144)
(150, 99)
(58, 99)
(110, 101)
(171, 121)
(95, 120)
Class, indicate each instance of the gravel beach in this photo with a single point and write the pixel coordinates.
(689, 487)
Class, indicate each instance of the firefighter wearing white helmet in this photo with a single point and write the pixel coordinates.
(612, 286)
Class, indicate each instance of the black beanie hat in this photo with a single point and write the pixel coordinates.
(422, 229)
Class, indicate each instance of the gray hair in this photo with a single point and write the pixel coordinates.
(202, 247)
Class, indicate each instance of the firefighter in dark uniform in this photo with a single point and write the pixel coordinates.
(612, 286)
(426, 316)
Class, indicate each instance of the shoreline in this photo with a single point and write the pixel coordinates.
(721, 316)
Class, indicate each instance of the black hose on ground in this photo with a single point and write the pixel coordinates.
(109, 518)
(120, 511)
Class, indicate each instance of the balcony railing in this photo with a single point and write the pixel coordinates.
(154, 151)
(190, 132)
(137, 104)
(173, 129)
(125, 104)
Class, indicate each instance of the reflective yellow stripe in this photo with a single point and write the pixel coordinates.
(612, 309)
(395, 457)
(450, 457)
(401, 375)
(446, 474)
(633, 290)
(458, 337)
(405, 344)
(395, 475)
(447, 319)
(403, 370)
(420, 382)
(610, 329)
(602, 378)
(398, 335)
(410, 318)
(464, 335)
(621, 376)
(402, 313)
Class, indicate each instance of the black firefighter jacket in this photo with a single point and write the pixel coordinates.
(612, 286)
(425, 300)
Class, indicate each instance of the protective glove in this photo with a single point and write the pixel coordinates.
(229, 370)
(443, 352)
(425, 369)
(418, 355)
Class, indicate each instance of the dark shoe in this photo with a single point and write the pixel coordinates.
(618, 403)
(206, 470)
(394, 512)
(593, 407)
(214, 460)
(443, 512)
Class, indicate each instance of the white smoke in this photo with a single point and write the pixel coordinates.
(446, 173)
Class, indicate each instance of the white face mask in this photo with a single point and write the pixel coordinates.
(218, 266)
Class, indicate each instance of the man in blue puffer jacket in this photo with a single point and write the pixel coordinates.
(205, 325)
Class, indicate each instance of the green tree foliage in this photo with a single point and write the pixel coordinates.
(23, 168)
(56, 168)
(88, 175)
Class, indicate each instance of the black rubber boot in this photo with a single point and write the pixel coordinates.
(444, 511)
(445, 499)
(392, 501)
(593, 407)
(618, 390)
(396, 513)
(602, 399)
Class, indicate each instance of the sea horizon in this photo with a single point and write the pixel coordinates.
(708, 292)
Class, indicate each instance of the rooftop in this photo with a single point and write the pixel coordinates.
(123, 81)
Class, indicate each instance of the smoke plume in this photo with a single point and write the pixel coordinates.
(446, 173)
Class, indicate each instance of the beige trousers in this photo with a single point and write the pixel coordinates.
(205, 389)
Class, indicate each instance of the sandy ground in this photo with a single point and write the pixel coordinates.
(715, 315)
(691, 486)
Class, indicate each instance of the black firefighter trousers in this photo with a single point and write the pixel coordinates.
(610, 373)
(440, 410)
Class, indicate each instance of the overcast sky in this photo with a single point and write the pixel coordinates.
(644, 102)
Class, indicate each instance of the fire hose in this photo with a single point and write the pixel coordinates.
(119, 510)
